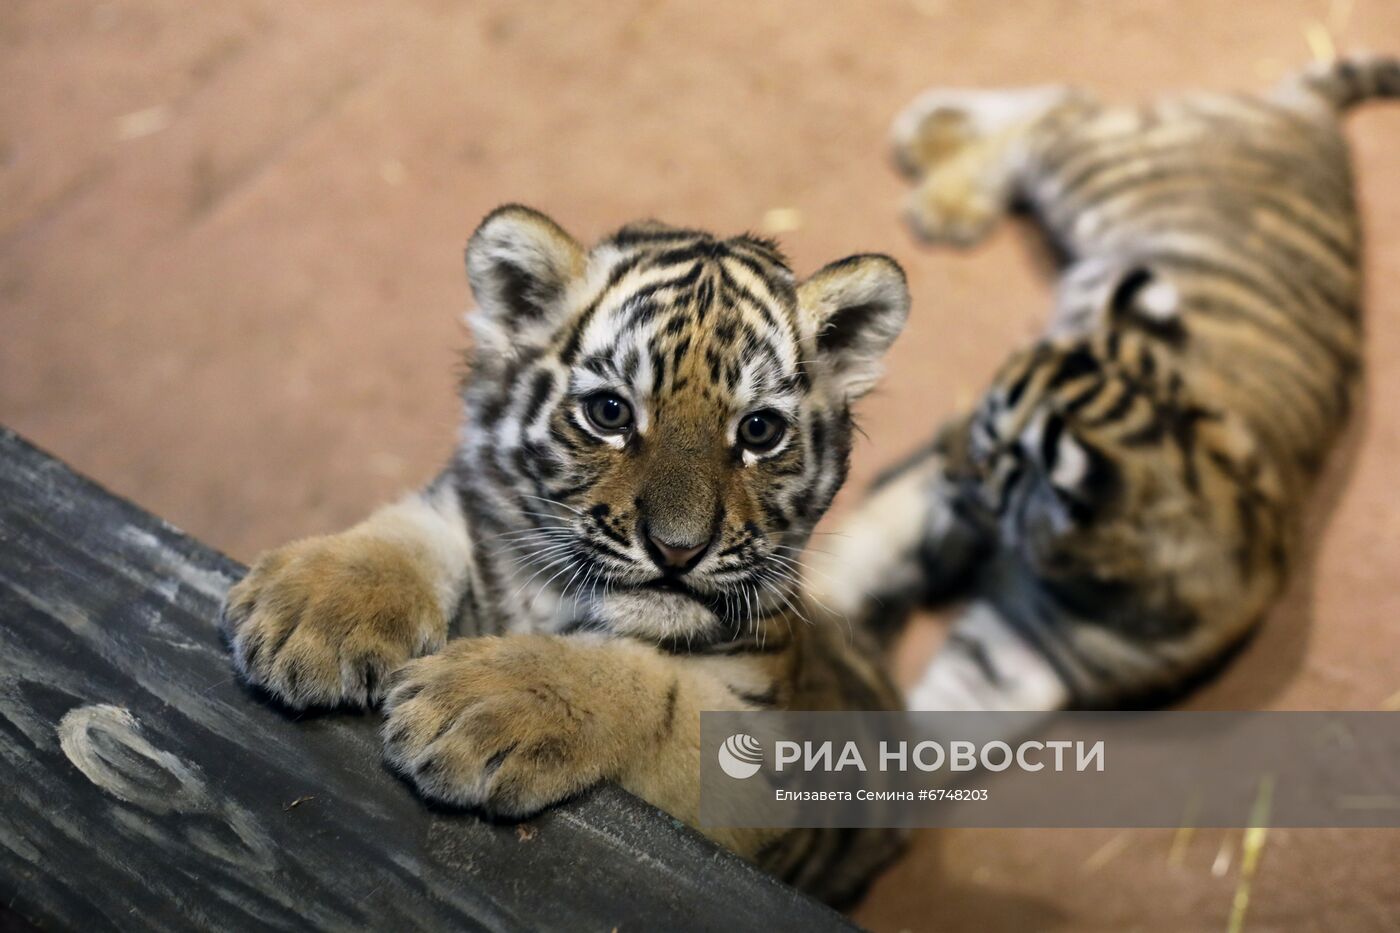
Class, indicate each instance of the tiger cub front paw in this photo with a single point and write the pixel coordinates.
(953, 205)
(325, 621)
(499, 724)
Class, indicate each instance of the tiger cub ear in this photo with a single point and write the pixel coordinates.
(1141, 293)
(520, 265)
(855, 307)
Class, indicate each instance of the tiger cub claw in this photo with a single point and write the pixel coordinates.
(325, 621)
(490, 723)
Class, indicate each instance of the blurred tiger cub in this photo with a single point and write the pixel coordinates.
(1122, 504)
(654, 427)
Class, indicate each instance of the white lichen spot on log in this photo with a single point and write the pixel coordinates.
(210, 583)
(105, 743)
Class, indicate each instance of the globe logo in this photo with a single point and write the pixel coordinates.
(741, 756)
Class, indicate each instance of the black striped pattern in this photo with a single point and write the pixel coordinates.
(693, 332)
(702, 329)
(1136, 477)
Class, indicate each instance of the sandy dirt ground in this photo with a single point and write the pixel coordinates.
(231, 282)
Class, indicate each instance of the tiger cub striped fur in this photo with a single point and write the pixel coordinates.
(1122, 505)
(653, 428)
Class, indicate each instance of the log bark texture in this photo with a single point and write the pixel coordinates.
(145, 788)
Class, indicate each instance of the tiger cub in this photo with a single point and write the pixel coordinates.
(654, 426)
(1122, 505)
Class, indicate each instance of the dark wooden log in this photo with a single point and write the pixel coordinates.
(144, 788)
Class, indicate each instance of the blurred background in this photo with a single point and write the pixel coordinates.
(231, 287)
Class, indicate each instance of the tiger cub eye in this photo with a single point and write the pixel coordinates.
(608, 412)
(762, 430)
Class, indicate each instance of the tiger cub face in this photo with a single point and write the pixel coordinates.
(1118, 489)
(667, 415)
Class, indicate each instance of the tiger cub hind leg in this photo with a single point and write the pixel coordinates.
(963, 149)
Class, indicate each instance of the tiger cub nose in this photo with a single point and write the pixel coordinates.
(670, 556)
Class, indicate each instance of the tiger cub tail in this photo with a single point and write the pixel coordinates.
(1347, 81)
